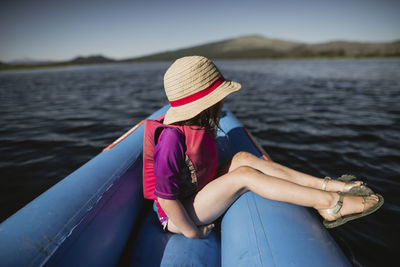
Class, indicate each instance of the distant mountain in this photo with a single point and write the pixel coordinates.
(353, 49)
(95, 59)
(255, 46)
(29, 61)
(245, 47)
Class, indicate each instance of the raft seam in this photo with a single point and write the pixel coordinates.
(254, 229)
(98, 213)
(265, 235)
(107, 182)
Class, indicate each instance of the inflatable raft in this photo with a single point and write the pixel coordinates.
(97, 216)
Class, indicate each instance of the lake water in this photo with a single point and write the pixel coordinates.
(323, 117)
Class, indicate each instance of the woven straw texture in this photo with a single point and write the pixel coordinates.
(190, 75)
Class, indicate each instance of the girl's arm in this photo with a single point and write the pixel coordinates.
(169, 157)
(176, 212)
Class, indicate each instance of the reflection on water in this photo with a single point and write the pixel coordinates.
(324, 117)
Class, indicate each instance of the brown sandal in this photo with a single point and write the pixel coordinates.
(343, 219)
(350, 186)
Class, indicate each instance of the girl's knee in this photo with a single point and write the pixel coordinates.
(246, 171)
(244, 175)
(241, 158)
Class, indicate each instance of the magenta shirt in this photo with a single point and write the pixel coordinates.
(172, 175)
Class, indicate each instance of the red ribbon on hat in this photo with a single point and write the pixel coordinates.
(198, 95)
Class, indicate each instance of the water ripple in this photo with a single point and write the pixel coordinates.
(323, 117)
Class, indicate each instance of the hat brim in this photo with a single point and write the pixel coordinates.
(190, 110)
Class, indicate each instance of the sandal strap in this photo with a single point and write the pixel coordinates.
(346, 178)
(353, 188)
(335, 209)
(325, 182)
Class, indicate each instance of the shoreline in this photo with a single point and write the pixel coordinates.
(8, 67)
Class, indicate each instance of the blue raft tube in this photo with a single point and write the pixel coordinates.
(97, 216)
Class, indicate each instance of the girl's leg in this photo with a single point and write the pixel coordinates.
(213, 200)
(274, 169)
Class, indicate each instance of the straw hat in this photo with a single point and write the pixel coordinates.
(193, 84)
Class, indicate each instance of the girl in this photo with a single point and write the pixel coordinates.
(180, 162)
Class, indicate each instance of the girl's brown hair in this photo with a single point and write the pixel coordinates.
(208, 119)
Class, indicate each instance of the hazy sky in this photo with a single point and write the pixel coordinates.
(60, 30)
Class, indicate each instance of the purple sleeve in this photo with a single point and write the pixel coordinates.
(169, 157)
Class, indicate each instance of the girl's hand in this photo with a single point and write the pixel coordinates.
(205, 230)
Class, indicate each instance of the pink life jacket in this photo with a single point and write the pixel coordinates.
(201, 154)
